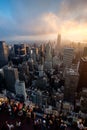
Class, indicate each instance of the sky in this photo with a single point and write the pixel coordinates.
(43, 19)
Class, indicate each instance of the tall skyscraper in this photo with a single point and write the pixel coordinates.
(48, 54)
(48, 57)
(68, 56)
(10, 75)
(42, 53)
(4, 50)
(71, 83)
(83, 73)
(58, 41)
(40, 69)
(58, 45)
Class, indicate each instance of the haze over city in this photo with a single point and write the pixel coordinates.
(43, 19)
(43, 64)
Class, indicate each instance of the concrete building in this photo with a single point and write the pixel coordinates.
(48, 57)
(31, 64)
(57, 62)
(40, 69)
(58, 45)
(48, 65)
(25, 68)
(67, 107)
(2, 82)
(68, 56)
(1, 72)
(37, 98)
(42, 53)
(10, 75)
(41, 82)
(20, 88)
(82, 73)
(85, 52)
(20, 49)
(83, 100)
(33, 54)
(71, 82)
(48, 54)
(4, 51)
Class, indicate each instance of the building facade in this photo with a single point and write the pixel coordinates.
(71, 82)
(82, 73)
(48, 57)
(10, 75)
(20, 49)
(20, 88)
(58, 42)
(4, 51)
(68, 56)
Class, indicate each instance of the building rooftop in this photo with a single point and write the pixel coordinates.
(9, 67)
(1, 42)
(84, 90)
(84, 59)
(68, 48)
(72, 71)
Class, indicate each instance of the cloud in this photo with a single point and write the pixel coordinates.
(44, 24)
(74, 9)
(32, 19)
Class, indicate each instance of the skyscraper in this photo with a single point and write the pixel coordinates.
(85, 52)
(48, 54)
(58, 45)
(58, 41)
(10, 75)
(83, 73)
(3, 53)
(48, 57)
(71, 83)
(68, 56)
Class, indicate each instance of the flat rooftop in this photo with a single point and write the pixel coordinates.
(72, 71)
(84, 59)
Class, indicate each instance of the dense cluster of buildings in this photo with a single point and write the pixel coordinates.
(46, 75)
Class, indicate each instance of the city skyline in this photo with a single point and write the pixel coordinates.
(43, 19)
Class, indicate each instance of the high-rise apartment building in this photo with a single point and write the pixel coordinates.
(71, 83)
(20, 49)
(83, 73)
(4, 50)
(48, 54)
(20, 88)
(83, 100)
(68, 56)
(40, 70)
(48, 57)
(37, 98)
(10, 75)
